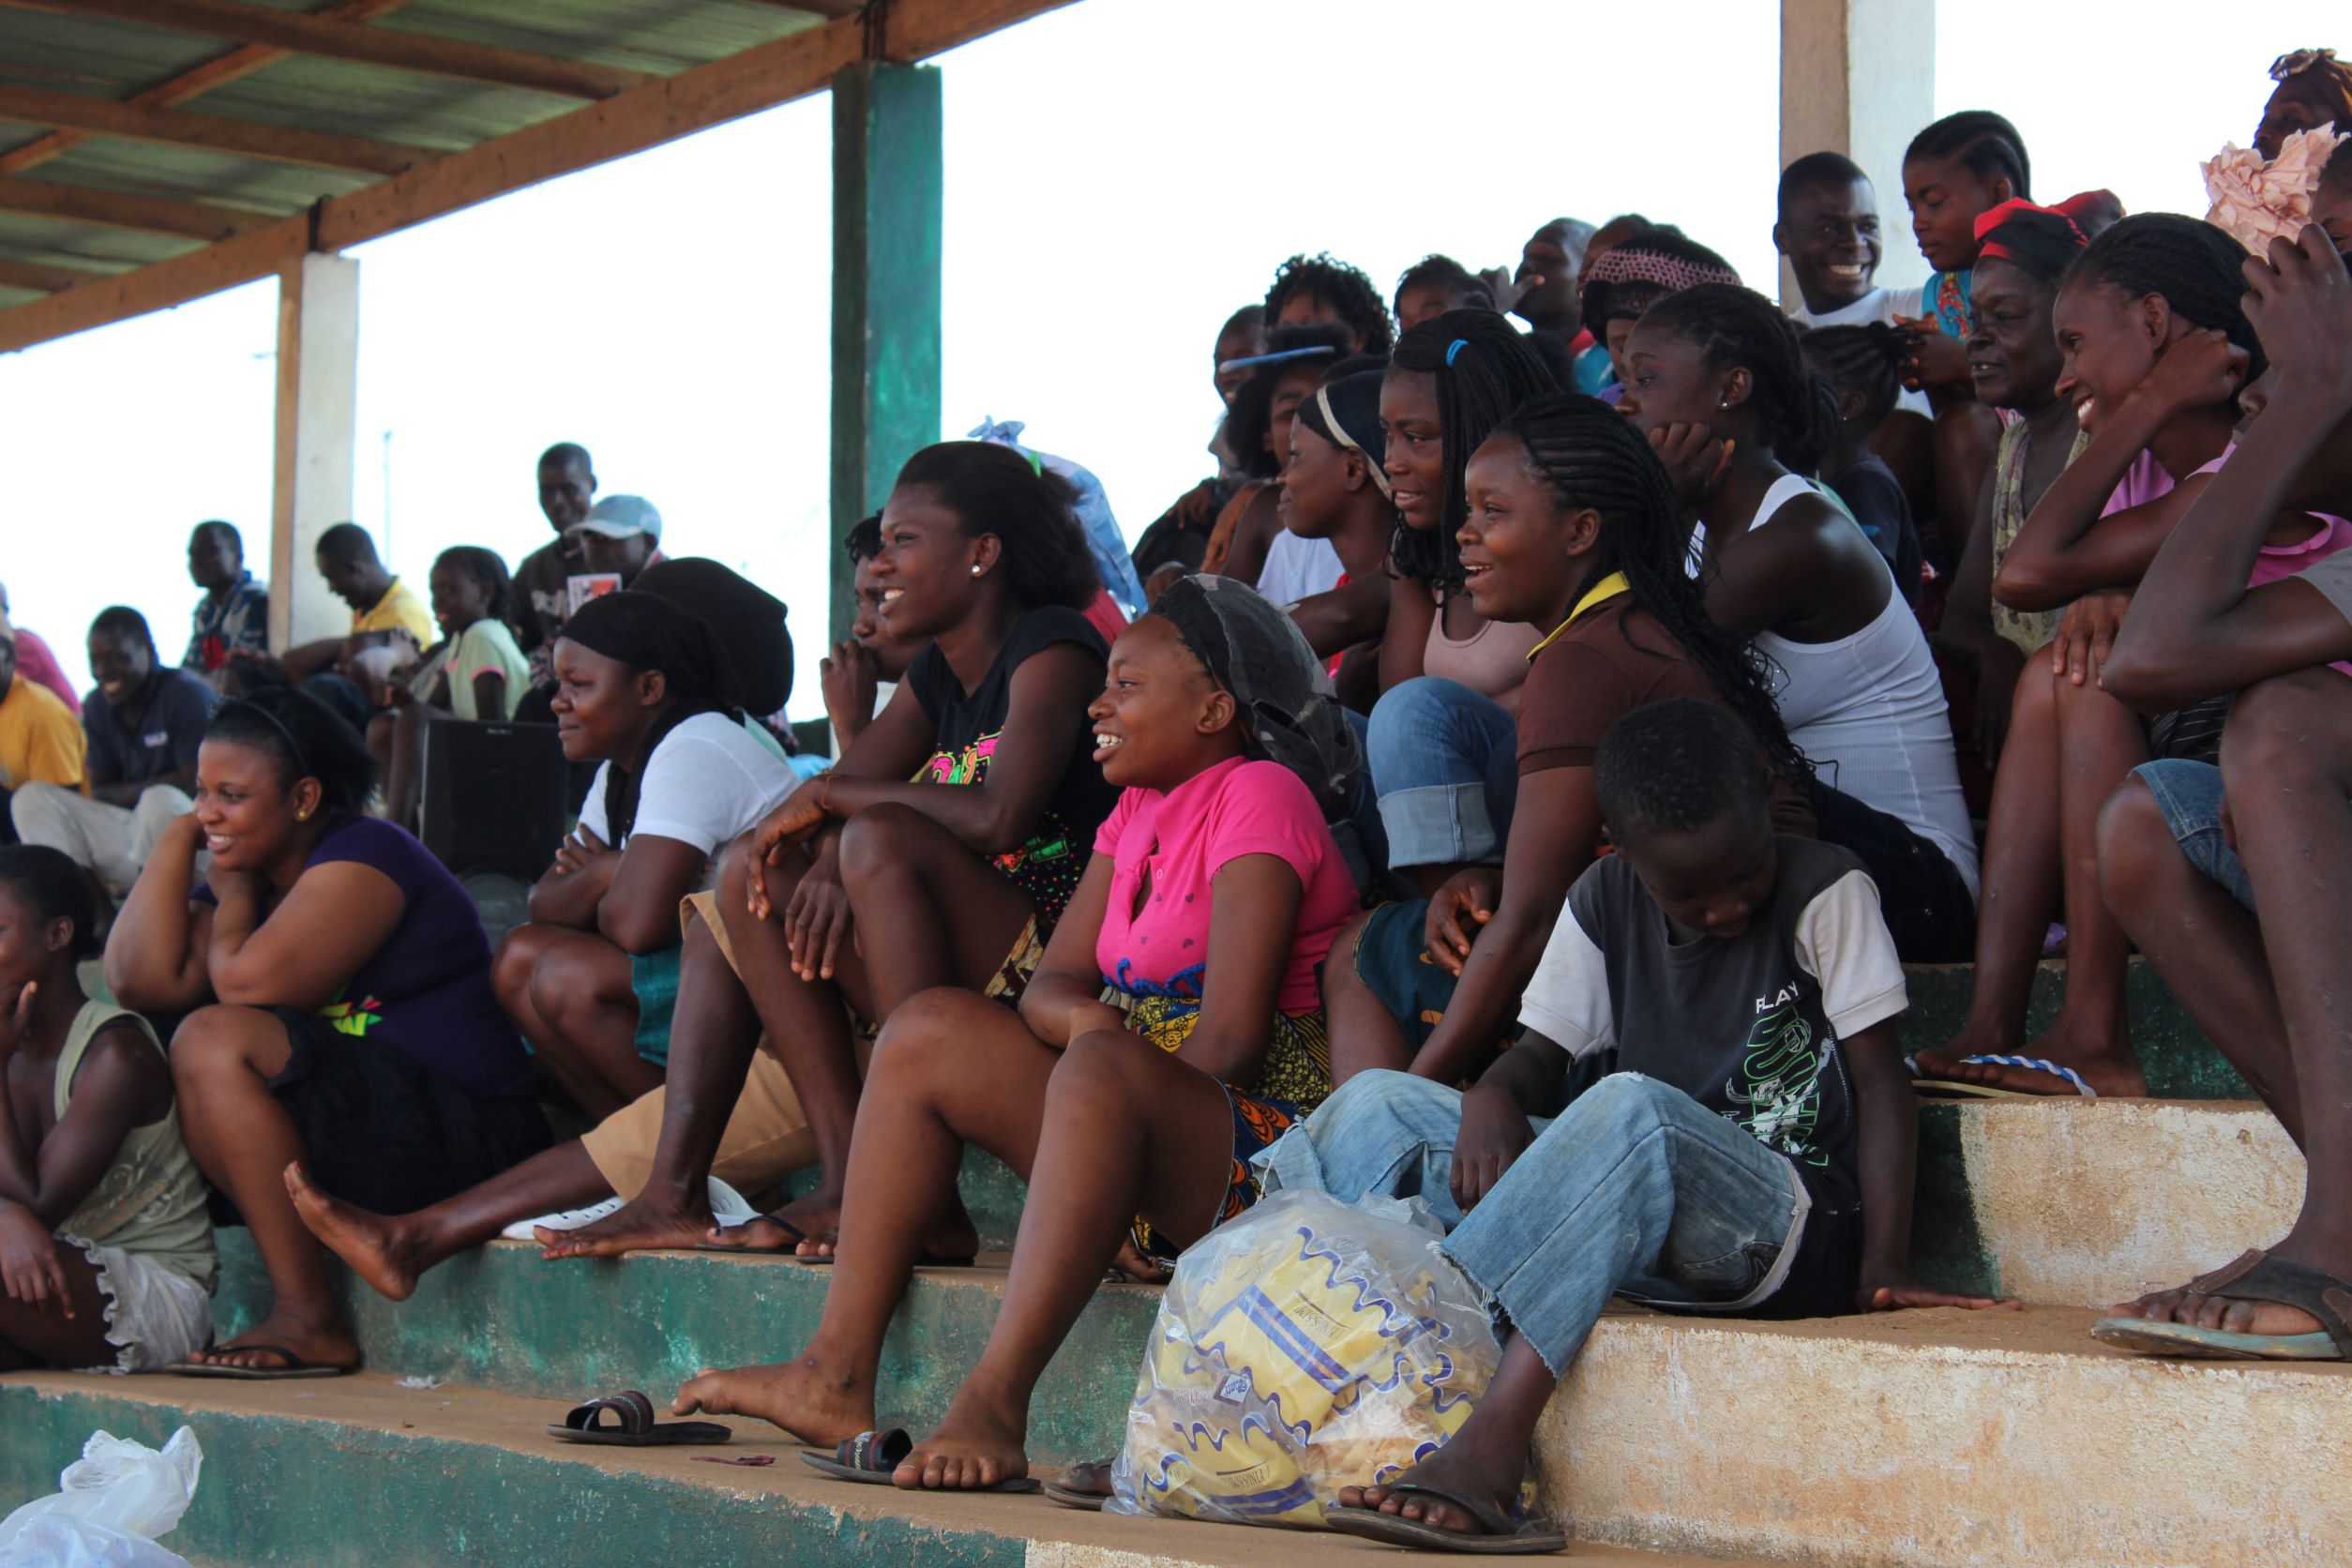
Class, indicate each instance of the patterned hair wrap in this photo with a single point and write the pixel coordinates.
(2037, 240)
(1634, 264)
(1289, 711)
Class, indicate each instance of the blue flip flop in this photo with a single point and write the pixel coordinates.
(1937, 1086)
(2255, 1278)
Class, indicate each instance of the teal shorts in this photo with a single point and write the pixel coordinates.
(653, 976)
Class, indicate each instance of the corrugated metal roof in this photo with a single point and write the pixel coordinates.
(659, 68)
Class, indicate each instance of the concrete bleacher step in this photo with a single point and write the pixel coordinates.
(359, 1473)
(1939, 1440)
(2179, 1062)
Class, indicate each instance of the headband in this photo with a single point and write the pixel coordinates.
(1633, 264)
(1338, 433)
(302, 762)
(1283, 356)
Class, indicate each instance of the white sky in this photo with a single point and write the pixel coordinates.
(1116, 184)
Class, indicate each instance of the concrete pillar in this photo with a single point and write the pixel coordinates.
(317, 384)
(887, 214)
(1858, 77)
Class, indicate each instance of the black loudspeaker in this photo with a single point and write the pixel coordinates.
(494, 797)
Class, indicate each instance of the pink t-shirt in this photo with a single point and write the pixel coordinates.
(1186, 836)
(1105, 616)
(2277, 562)
(36, 664)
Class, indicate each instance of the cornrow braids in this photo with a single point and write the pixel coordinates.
(1344, 288)
(1737, 326)
(1484, 370)
(2194, 266)
(1588, 455)
(1865, 359)
(1982, 142)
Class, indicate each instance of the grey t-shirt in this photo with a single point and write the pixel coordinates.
(2334, 578)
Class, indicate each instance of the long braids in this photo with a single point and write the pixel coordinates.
(1590, 456)
(1484, 370)
(2194, 266)
(1737, 326)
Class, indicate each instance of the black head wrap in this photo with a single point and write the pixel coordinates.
(1289, 712)
(645, 631)
(746, 619)
(1347, 414)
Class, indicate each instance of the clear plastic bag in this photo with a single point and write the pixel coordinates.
(113, 1503)
(1306, 1346)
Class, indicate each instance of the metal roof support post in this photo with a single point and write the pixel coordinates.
(887, 205)
(318, 382)
(1858, 77)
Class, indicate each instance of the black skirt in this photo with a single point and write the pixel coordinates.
(383, 1132)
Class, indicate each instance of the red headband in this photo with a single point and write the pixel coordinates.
(2066, 212)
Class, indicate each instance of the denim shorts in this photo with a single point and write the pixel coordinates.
(2189, 796)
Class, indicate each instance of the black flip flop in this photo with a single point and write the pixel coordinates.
(870, 1457)
(634, 1426)
(1497, 1536)
(1061, 1490)
(296, 1366)
(2258, 1276)
(798, 1236)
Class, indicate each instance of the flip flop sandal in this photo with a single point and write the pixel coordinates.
(634, 1426)
(296, 1366)
(1953, 1088)
(1496, 1536)
(1061, 1489)
(2255, 1278)
(797, 1234)
(870, 1457)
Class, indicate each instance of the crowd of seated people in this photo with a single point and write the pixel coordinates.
(1568, 726)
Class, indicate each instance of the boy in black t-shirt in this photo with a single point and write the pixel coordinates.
(1752, 1153)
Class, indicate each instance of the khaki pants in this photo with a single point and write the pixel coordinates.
(767, 1137)
(113, 840)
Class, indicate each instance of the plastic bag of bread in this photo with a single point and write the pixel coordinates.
(1306, 1346)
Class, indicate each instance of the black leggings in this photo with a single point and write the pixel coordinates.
(1921, 893)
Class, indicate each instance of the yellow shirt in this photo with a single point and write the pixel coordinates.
(400, 610)
(40, 740)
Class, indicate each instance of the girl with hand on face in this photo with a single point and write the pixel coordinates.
(2154, 345)
(1443, 737)
(477, 671)
(106, 1255)
(1128, 1092)
(1720, 390)
(337, 984)
(1574, 532)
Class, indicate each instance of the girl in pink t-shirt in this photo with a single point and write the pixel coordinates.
(1172, 1029)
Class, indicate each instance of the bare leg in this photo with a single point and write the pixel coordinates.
(1127, 1128)
(951, 1068)
(1485, 1458)
(951, 915)
(569, 992)
(1363, 1035)
(2286, 765)
(2020, 884)
(391, 1251)
(223, 1060)
(29, 1337)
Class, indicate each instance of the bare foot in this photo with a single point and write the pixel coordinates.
(2103, 1059)
(952, 1240)
(1451, 1469)
(315, 1344)
(804, 1219)
(646, 1222)
(801, 1398)
(973, 1449)
(377, 1246)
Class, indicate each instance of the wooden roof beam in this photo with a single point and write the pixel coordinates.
(134, 122)
(118, 209)
(334, 38)
(236, 65)
(40, 279)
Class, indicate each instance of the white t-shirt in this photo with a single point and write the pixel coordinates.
(707, 782)
(1298, 568)
(1878, 305)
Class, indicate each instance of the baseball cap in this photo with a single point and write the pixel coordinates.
(621, 517)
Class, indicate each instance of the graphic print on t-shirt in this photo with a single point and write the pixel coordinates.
(1047, 864)
(1779, 1079)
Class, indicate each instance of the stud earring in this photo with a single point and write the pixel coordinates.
(975, 571)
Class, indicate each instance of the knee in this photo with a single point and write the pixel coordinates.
(1107, 1065)
(1627, 1105)
(1407, 710)
(874, 842)
(215, 1042)
(925, 1030)
(1378, 1100)
(516, 962)
(567, 978)
(33, 806)
(2133, 840)
(2271, 727)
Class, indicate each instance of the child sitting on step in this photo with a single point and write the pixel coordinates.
(106, 1258)
(1751, 1154)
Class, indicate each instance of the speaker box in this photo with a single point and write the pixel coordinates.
(494, 797)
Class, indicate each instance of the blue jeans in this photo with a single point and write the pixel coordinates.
(2189, 796)
(1445, 762)
(1636, 1189)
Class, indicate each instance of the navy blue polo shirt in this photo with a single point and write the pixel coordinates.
(157, 733)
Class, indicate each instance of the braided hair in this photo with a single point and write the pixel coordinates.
(1737, 326)
(485, 567)
(1484, 370)
(1344, 288)
(1866, 360)
(2193, 266)
(1982, 142)
(1588, 455)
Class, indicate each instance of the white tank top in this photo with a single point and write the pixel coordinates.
(1869, 710)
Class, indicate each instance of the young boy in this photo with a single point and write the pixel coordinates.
(1752, 1153)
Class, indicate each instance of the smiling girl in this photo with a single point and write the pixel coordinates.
(1127, 1090)
(475, 672)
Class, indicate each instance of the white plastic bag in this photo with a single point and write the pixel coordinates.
(113, 1502)
(1306, 1346)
